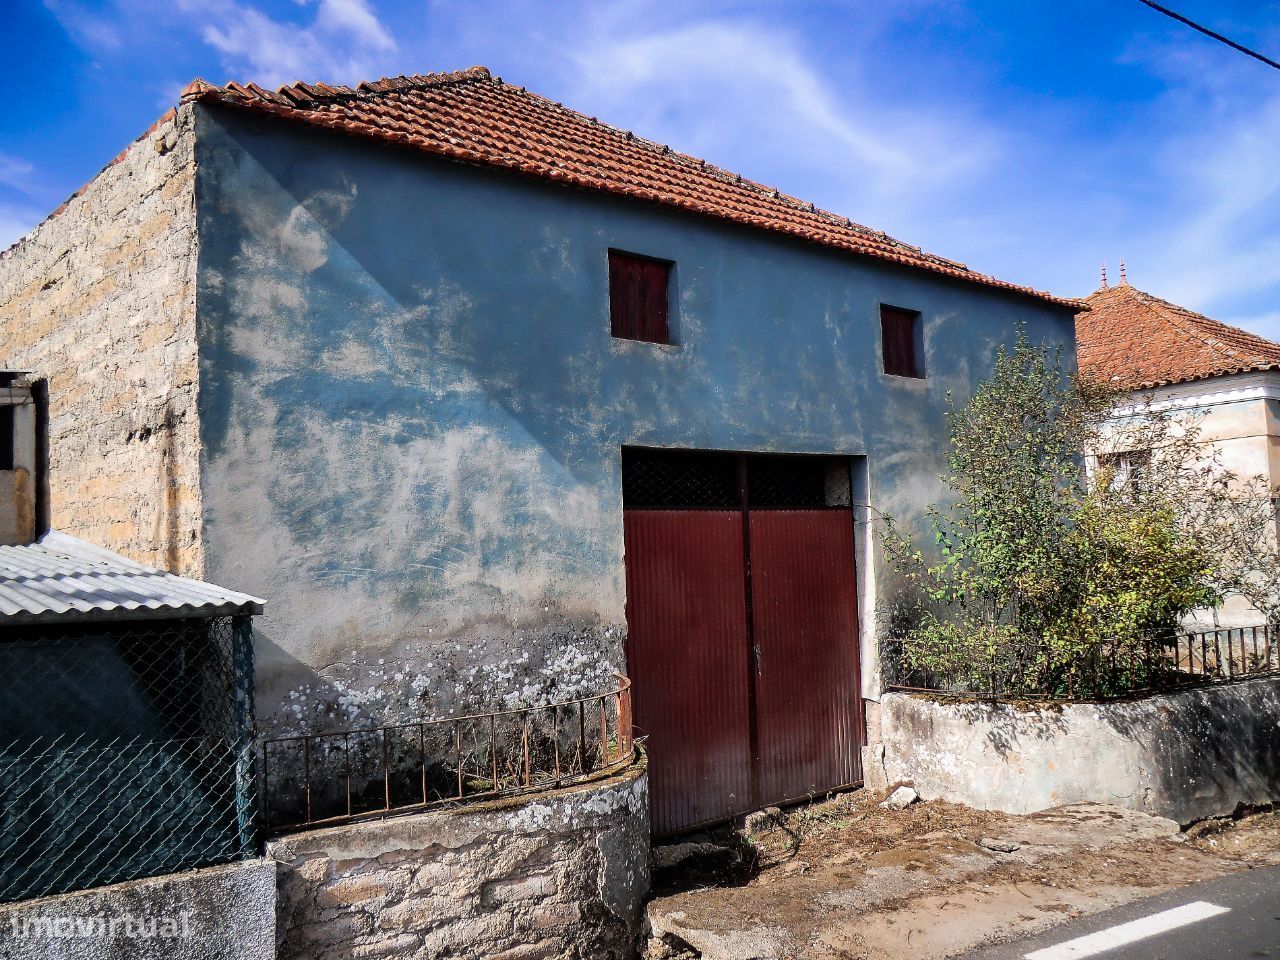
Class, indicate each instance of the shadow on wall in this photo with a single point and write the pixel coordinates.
(166, 533)
(1188, 755)
(1011, 727)
(317, 246)
(1213, 749)
(411, 421)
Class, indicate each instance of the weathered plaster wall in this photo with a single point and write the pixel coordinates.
(100, 299)
(1188, 755)
(412, 409)
(218, 913)
(560, 875)
(1238, 432)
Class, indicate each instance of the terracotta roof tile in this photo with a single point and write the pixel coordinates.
(1135, 341)
(474, 117)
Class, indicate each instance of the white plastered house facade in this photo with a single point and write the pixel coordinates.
(1168, 358)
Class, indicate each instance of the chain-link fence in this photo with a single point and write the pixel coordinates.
(126, 750)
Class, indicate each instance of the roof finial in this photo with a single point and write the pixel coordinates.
(1124, 277)
(1104, 275)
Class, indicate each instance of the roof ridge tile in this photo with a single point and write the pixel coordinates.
(425, 111)
(1135, 340)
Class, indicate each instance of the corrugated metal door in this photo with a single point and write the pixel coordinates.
(742, 619)
(687, 619)
(805, 622)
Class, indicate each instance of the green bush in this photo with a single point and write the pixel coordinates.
(1084, 528)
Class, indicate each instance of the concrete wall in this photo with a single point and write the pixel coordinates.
(219, 913)
(559, 875)
(412, 409)
(100, 299)
(1188, 755)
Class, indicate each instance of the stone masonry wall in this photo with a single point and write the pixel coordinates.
(100, 299)
(561, 874)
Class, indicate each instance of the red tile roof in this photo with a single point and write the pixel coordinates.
(474, 117)
(1134, 341)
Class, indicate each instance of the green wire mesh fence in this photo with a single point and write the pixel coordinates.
(126, 751)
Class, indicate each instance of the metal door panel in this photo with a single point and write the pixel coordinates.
(805, 622)
(687, 658)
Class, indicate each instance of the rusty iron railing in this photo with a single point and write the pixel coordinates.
(345, 775)
(1159, 663)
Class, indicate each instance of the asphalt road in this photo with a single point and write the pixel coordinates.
(1234, 918)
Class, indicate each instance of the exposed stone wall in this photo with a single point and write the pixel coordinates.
(562, 874)
(219, 913)
(100, 298)
(1188, 755)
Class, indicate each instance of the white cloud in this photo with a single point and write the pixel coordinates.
(728, 88)
(21, 198)
(95, 31)
(1209, 237)
(336, 16)
(1214, 253)
(344, 43)
(1264, 324)
(16, 221)
(17, 173)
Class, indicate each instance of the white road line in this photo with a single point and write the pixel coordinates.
(1130, 932)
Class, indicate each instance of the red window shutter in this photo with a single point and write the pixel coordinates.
(638, 297)
(898, 342)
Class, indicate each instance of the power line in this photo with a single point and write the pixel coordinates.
(1209, 33)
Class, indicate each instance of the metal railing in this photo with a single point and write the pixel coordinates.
(344, 775)
(126, 751)
(1158, 663)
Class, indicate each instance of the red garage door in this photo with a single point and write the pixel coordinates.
(742, 630)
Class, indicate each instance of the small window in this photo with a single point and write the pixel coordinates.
(638, 297)
(899, 339)
(1126, 470)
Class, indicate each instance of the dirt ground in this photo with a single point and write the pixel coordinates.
(846, 878)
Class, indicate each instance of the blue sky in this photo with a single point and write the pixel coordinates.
(1031, 140)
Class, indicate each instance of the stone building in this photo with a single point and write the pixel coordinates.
(1225, 379)
(492, 400)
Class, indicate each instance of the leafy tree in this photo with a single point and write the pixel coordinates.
(1084, 528)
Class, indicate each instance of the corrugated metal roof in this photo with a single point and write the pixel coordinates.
(62, 579)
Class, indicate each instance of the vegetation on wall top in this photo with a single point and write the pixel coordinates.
(1084, 528)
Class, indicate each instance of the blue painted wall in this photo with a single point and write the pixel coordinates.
(411, 406)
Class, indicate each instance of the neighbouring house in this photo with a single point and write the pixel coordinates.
(1225, 378)
(493, 400)
(127, 695)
